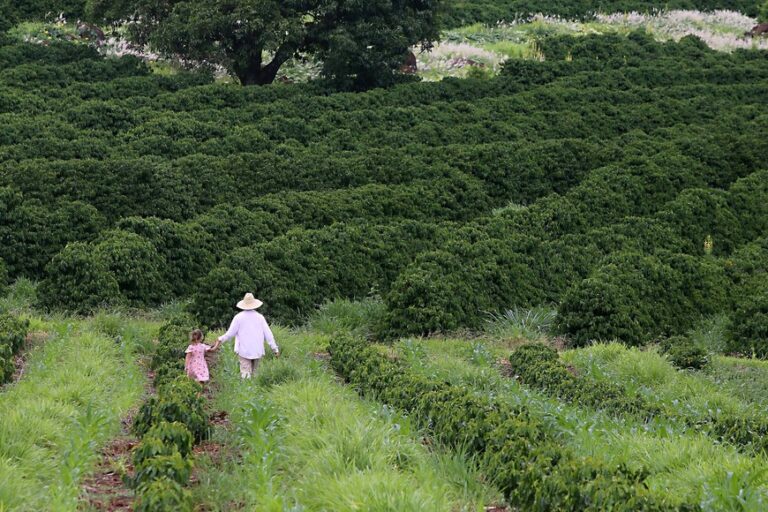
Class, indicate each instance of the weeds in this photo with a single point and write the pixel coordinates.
(521, 324)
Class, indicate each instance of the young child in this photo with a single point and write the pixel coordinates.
(194, 363)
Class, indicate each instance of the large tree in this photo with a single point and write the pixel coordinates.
(361, 42)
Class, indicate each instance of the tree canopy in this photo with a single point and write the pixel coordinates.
(362, 43)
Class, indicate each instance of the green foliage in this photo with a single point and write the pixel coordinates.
(78, 280)
(162, 495)
(3, 278)
(179, 400)
(175, 435)
(517, 449)
(185, 250)
(13, 332)
(634, 298)
(684, 353)
(136, 265)
(452, 201)
(539, 366)
(748, 331)
(173, 467)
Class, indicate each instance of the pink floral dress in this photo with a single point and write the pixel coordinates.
(196, 367)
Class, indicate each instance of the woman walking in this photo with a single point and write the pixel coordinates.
(250, 330)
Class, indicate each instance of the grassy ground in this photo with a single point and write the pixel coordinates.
(300, 440)
(683, 464)
(649, 374)
(78, 384)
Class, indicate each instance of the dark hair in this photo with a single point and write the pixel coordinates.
(196, 336)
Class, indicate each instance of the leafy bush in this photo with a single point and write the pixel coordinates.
(78, 280)
(162, 495)
(684, 353)
(173, 340)
(748, 331)
(634, 298)
(171, 434)
(3, 278)
(179, 400)
(539, 366)
(173, 467)
(13, 332)
(517, 449)
(136, 265)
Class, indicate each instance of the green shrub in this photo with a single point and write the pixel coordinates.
(179, 400)
(13, 332)
(3, 278)
(173, 340)
(78, 280)
(539, 366)
(684, 353)
(162, 495)
(174, 467)
(150, 447)
(136, 265)
(172, 434)
(533, 469)
(635, 298)
(748, 331)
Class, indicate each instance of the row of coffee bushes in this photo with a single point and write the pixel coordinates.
(528, 462)
(148, 260)
(446, 289)
(177, 254)
(13, 331)
(304, 268)
(635, 141)
(539, 366)
(747, 333)
(463, 12)
(168, 424)
(530, 255)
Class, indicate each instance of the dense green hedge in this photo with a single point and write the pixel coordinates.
(13, 331)
(448, 199)
(529, 463)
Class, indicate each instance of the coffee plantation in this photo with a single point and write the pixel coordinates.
(541, 287)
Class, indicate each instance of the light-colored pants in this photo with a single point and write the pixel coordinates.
(247, 366)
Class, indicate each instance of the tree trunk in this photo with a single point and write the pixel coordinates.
(253, 73)
(257, 75)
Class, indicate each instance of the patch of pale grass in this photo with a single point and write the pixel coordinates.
(683, 465)
(76, 388)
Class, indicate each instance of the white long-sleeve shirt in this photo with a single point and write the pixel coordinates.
(250, 329)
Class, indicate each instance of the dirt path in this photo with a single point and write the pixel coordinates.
(106, 488)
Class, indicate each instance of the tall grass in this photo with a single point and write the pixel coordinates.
(648, 373)
(302, 441)
(683, 465)
(356, 317)
(743, 378)
(521, 324)
(77, 386)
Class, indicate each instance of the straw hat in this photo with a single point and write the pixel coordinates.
(249, 302)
